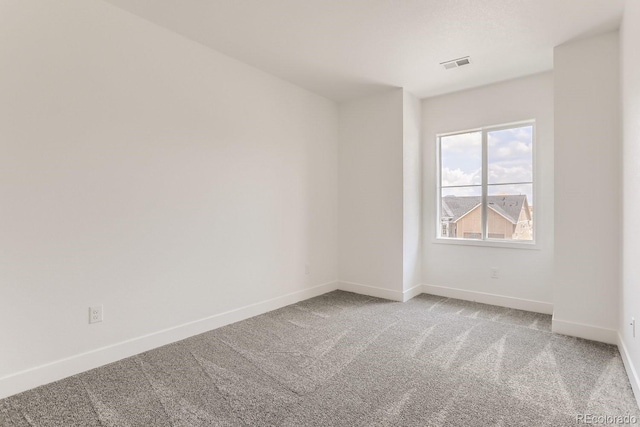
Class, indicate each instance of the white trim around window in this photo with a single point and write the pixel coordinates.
(484, 186)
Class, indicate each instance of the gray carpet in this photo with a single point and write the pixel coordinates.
(348, 360)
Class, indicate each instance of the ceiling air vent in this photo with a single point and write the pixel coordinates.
(455, 63)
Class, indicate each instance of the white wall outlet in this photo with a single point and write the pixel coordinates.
(95, 314)
(633, 326)
(494, 273)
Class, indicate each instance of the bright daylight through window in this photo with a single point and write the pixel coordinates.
(486, 184)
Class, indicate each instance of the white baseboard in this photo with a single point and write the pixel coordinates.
(59, 369)
(411, 292)
(580, 330)
(632, 373)
(485, 298)
(372, 291)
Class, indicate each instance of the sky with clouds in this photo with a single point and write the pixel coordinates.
(510, 155)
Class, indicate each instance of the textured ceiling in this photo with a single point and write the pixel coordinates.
(344, 49)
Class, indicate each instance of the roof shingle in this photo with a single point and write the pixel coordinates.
(509, 206)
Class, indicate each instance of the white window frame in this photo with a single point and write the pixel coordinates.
(516, 244)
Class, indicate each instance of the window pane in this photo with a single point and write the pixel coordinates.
(461, 212)
(510, 212)
(510, 155)
(461, 159)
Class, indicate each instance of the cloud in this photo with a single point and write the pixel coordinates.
(461, 155)
(510, 144)
(462, 191)
(512, 172)
(459, 177)
(510, 156)
(511, 149)
(464, 143)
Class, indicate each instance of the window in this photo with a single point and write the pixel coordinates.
(486, 184)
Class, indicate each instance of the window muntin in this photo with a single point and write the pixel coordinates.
(486, 186)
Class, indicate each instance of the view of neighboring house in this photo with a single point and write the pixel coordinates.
(509, 217)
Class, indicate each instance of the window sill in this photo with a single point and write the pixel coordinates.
(487, 243)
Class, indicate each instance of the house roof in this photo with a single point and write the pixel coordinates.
(509, 206)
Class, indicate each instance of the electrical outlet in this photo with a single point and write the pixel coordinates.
(494, 273)
(633, 326)
(95, 314)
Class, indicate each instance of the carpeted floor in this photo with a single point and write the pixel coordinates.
(348, 360)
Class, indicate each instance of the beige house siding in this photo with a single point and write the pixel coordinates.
(471, 224)
(524, 229)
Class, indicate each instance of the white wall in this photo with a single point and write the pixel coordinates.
(524, 274)
(412, 192)
(371, 194)
(145, 172)
(587, 187)
(630, 291)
